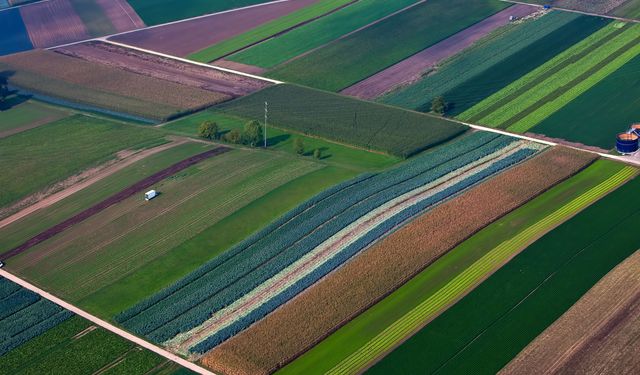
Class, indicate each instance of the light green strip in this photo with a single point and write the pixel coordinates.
(470, 277)
(554, 106)
(561, 78)
(536, 73)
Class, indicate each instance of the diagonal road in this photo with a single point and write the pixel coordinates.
(108, 326)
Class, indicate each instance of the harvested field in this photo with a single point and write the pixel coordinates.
(52, 23)
(76, 347)
(590, 6)
(53, 74)
(629, 9)
(14, 33)
(67, 147)
(183, 38)
(114, 199)
(496, 61)
(412, 68)
(518, 302)
(345, 120)
(270, 29)
(163, 68)
(24, 115)
(305, 38)
(599, 334)
(350, 60)
(362, 282)
(121, 15)
(239, 66)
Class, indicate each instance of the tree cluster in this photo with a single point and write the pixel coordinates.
(250, 136)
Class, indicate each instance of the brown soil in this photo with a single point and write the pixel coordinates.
(314, 314)
(183, 38)
(563, 142)
(53, 23)
(121, 15)
(600, 334)
(591, 6)
(164, 68)
(413, 68)
(244, 68)
(116, 198)
(78, 182)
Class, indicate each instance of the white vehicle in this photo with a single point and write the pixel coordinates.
(1, 264)
(149, 195)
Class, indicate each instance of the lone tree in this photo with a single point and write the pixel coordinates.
(317, 153)
(209, 130)
(4, 89)
(252, 133)
(439, 105)
(234, 136)
(298, 146)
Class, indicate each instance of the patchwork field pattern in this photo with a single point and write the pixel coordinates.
(22, 114)
(311, 240)
(349, 60)
(53, 22)
(496, 61)
(59, 76)
(526, 295)
(345, 120)
(535, 97)
(596, 334)
(379, 270)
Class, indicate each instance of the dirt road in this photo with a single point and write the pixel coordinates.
(412, 68)
(109, 327)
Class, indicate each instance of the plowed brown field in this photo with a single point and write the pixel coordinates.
(313, 315)
(54, 22)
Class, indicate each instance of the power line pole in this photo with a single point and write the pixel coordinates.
(266, 115)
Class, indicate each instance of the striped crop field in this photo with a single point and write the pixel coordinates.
(269, 268)
(463, 282)
(265, 31)
(495, 61)
(315, 34)
(538, 95)
(123, 238)
(518, 302)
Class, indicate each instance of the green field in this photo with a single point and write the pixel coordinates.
(124, 237)
(219, 237)
(35, 159)
(596, 116)
(315, 34)
(360, 55)
(282, 140)
(78, 347)
(94, 17)
(155, 12)
(490, 326)
(345, 120)
(423, 297)
(267, 30)
(18, 115)
(496, 61)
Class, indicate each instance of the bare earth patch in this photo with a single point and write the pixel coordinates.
(53, 23)
(121, 15)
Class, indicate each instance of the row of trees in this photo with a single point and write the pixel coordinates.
(252, 135)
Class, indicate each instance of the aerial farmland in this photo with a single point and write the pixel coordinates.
(242, 187)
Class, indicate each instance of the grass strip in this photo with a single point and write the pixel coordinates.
(470, 277)
(267, 30)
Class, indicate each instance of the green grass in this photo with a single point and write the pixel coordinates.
(315, 34)
(94, 17)
(18, 232)
(420, 295)
(490, 326)
(282, 140)
(18, 113)
(346, 120)
(37, 158)
(62, 350)
(480, 71)
(123, 238)
(211, 242)
(266, 30)
(360, 55)
(155, 12)
(597, 115)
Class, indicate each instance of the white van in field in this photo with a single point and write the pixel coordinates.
(149, 195)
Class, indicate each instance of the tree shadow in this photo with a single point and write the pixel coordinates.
(13, 98)
(323, 150)
(277, 139)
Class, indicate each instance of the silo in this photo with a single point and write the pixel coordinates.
(627, 143)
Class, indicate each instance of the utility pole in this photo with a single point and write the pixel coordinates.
(266, 115)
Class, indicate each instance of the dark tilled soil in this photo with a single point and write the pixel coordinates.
(116, 198)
